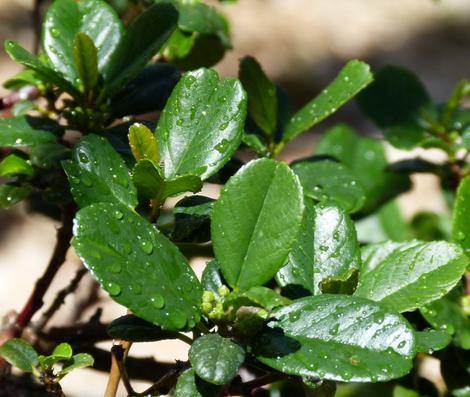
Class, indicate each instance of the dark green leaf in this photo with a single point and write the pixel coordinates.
(461, 215)
(266, 297)
(80, 360)
(354, 77)
(262, 98)
(255, 222)
(331, 182)
(134, 329)
(408, 136)
(326, 248)
(143, 143)
(411, 275)
(98, 174)
(205, 51)
(429, 226)
(148, 92)
(137, 265)
(202, 124)
(11, 194)
(338, 337)
(192, 219)
(141, 41)
(24, 131)
(190, 385)
(49, 155)
(429, 341)
(212, 278)
(216, 359)
(255, 144)
(95, 19)
(85, 56)
(20, 354)
(23, 78)
(15, 165)
(152, 185)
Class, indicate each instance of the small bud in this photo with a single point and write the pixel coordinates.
(223, 291)
(206, 307)
(208, 296)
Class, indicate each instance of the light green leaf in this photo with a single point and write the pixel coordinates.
(202, 124)
(337, 337)
(80, 360)
(12, 194)
(139, 267)
(216, 359)
(331, 182)
(61, 352)
(26, 131)
(15, 165)
(461, 215)
(266, 297)
(411, 275)
(354, 77)
(20, 354)
(429, 341)
(98, 174)
(143, 143)
(255, 144)
(85, 57)
(255, 222)
(400, 391)
(326, 248)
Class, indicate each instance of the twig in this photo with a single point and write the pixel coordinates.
(245, 388)
(119, 352)
(115, 373)
(59, 300)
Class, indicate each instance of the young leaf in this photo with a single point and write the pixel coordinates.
(92, 18)
(255, 144)
(265, 297)
(15, 165)
(143, 143)
(153, 186)
(408, 277)
(262, 98)
(202, 124)
(139, 267)
(25, 131)
(216, 359)
(20, 354)
(80, 360)
(354, 77)
(141, 41)
(191, 385)
(134, 329)
(429, 341)
(85, 57)
(62, 352)
(11, 194)
(98, 174)
(255, 221)
(337, 337)
(330, 182)
(326, 248)
(461, 214)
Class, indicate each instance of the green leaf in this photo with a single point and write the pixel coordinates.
(354, 77)
(337, 337)
(25, 131)
(23, 78)
(143, 143)
(262, 98)
(139, 267)
(366, 158)
(211, 277)
(134, 329)
(202, 124)
(141, 41)
(190, 385)
(461, 214)
(192, 219)
(326, 249)
(255, 222)
(20, 354)
(22, 108)
(49, 155)
(98, 174)
(400, 391)
(85, 56)
(62, 352)
(80, 360)
(448, 316)
(92, 18)
(255, 144)
(152, 185)
(11, 194)
(205, 51)
(429, 341)
(25, 58)
(266, 297)
(15, 165)
(330, 182)
(216, 359)
(411, 275)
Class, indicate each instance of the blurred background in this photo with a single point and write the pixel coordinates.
(302, 44)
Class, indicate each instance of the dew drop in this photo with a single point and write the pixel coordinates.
(323, 248)
(460, 236)
(158, 301)
(179, 122)
(114, 268)
(114, 289)
(146, 246)
(178, 318)
(118, 214)
(334, 330)
(83, 157)
(136, 289)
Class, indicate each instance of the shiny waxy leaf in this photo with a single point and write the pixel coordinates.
(411, 275)
(255, 222)
(354, 77)
(134, 329)
(202, 124)
(265, 297)
(15, 165)
(139, 267)
(26, 131)
(191, 385)
(461, 215)
(61, 352)
(326, 248)
(366, 158)
(152, 185)
(20, 354)
(337, 337)
(98, 174)
(262, 98)
(192, 219)
(80, 360)
(211, 278)
(331, 182)
(143, 143)
(67, 18)
(12, 194)
(430, 340)
(216, 359)
(141, 41)
(85, 56)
